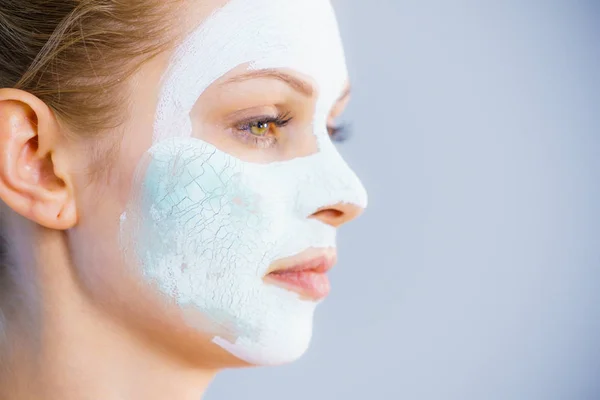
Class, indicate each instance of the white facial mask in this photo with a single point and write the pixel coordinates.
(205, 226)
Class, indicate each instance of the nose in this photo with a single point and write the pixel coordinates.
(338, 214)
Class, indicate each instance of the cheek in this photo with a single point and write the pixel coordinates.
(132, 151)
(189, 219)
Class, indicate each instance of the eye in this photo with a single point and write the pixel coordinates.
(339, 133)
(260, 128)
(261, 131)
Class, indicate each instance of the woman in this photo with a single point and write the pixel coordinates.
(171, 191)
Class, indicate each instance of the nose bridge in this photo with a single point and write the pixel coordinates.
(329, 181)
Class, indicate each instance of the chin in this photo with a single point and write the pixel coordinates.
(271, 351)
(280, 335)
(271, 354)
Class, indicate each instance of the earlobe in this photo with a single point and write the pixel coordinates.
(30, 180)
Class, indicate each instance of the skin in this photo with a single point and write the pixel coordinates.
(81, 313)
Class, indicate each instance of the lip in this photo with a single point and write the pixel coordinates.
(304, 274)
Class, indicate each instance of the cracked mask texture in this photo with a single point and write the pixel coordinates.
(205, 226)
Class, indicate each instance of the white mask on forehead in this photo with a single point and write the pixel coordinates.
(205, 226)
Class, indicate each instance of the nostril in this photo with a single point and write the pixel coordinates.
(338, 214)
(334, 216)
(330, 216)
(330, 213)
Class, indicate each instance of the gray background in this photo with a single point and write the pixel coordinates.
(475, 273)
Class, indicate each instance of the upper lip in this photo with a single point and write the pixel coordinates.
(315, 260)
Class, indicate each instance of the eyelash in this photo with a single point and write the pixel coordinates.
(336, 133)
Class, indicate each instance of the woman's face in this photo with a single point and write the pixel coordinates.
(226, 173)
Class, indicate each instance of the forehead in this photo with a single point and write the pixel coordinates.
(298, 34)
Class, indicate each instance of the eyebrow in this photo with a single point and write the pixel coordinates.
(297, 84)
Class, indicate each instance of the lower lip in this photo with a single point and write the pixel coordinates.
(309, 284)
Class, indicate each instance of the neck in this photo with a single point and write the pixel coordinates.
(56, 345)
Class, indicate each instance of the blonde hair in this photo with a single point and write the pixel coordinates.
(75, 54)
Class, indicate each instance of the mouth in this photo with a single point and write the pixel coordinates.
(304, 274)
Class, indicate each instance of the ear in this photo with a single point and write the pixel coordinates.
(33, 179)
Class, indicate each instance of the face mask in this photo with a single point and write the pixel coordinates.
(205, 226)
